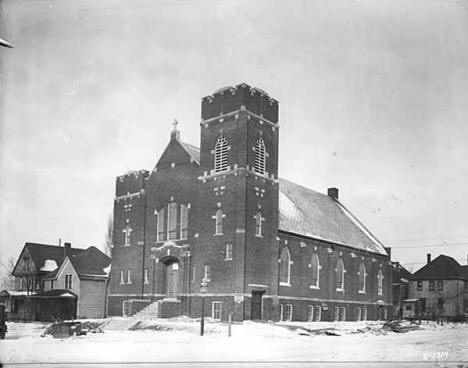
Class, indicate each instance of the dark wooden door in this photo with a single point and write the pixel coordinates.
(256, 306)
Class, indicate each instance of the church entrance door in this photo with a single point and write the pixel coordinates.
(172, 280)
(256, 304)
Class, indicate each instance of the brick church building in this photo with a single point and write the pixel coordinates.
(266, 248)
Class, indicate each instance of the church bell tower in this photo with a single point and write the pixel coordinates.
(238, 222)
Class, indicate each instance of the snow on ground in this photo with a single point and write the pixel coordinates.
(177, 340)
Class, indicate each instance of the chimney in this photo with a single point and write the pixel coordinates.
(428, 258)
(389, 251)
(66, 249)
(333, 193)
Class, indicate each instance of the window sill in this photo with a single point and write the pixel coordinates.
(285, 284)
(314, 287)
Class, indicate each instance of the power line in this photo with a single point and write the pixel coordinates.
(456, 244)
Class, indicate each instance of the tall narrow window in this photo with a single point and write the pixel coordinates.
(285, 267)
(129, 276)
(172, 221)
(162, 224)
(336, 314)
(431, 285)
(207, 275)
(228, 252)
(315, 268)
(146, 279)
(259, 156)
(127, 232)
(220, 154)
(183, 221)
(362, 278)
(219, 222)
(358, 313)
(122, 281)
(419, 285)
(310, 313)
(440, 285)
(340, 275)
(258, 223)
(380, 282)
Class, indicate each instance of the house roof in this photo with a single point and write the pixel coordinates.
(443, 267)
(42, 253)
(90, 263)
(306, 212)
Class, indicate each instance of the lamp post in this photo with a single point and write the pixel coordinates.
(203, 287)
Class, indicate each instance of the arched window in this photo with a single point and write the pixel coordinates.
(380, 282)
(285, 267)
(220, 154)
(340, 275)
(172, 222)
(259, 156)
(362, 277)
(258, 223)
(219, 222)
(315, 268)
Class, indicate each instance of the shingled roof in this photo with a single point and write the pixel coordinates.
(89, 263)
(306, 212)
(441, 268)
(40, 253)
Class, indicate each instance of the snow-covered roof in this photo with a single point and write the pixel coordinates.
(193, 151)
(306, 212)
(49, 265)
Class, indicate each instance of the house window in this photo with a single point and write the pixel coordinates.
(127, 232)
(183, 221)
(310, 313)
(340, 275)
(228, 252)
(68, 281)
(207, 274)
(129, 276)
(380, 283)
(216, 310)
(285, 267)
(362, 278)
(161, 224)
(358, 313)
(336, 314)
(431, 285)
(440, 285)
(420, 285)
(219, 222)
(51, 284)
(122, 281)
(220, 154)
(146, 279)
(315, 269)
(259, 156)
(287, 313)
(172, 221)
(258, 223)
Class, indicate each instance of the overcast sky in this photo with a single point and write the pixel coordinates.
(373, 100)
